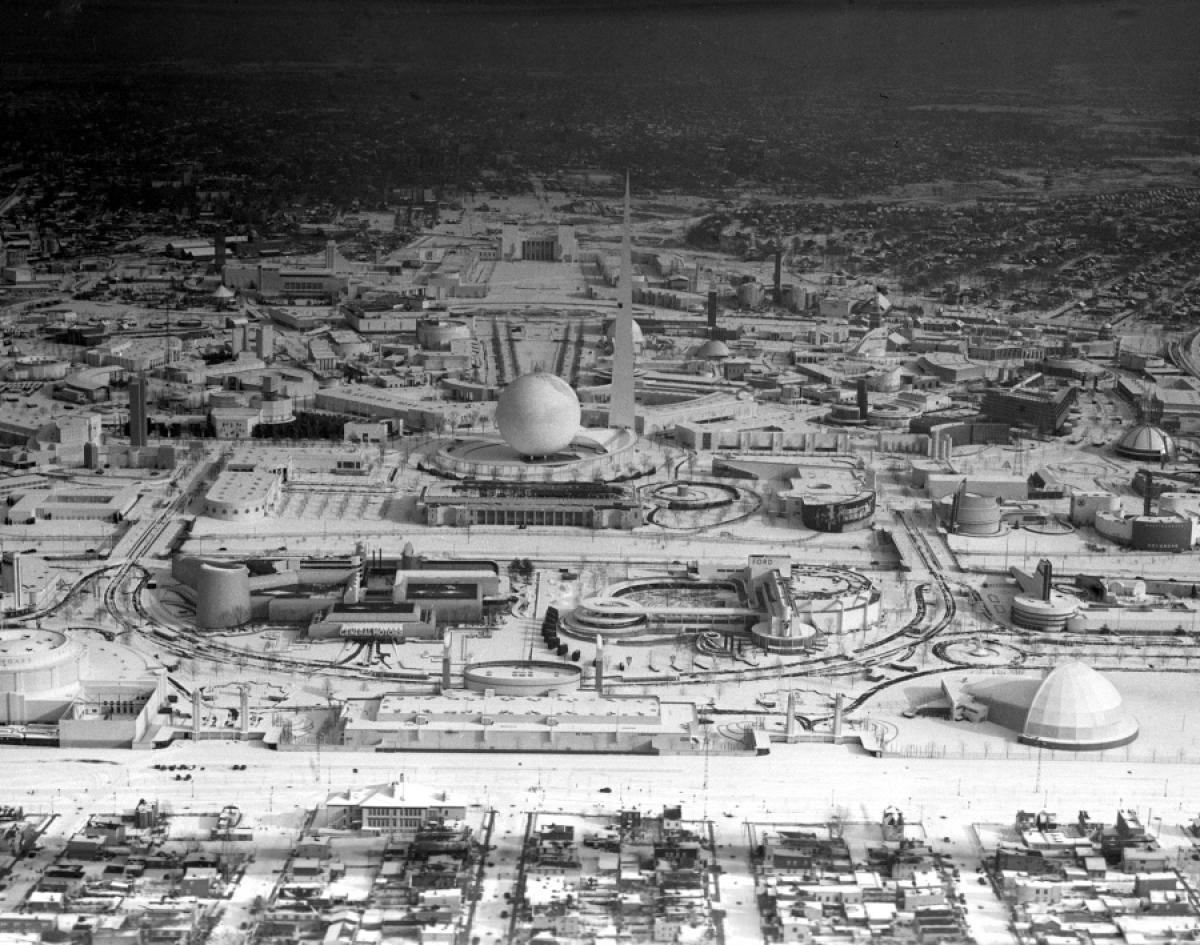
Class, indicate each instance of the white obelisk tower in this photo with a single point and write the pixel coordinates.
(621, 403)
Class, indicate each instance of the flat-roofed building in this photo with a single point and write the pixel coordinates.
(74, 503)
(234, 423)
(62, 436)
(1045, 410)
(373, 620)
(452, 591)
(275, 280)
(578, 504)
(243, 495)
(132, 354)
(951, 368)
(361, 400)
(340, 463)
(469, 721)
(115, 714)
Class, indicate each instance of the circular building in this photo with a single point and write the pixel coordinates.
(845, 415)
(790, 636)
(831, 511)
(538, 414)
(1033, 613)
(1147, 443)
(436, 334)
(34, 662)
(522, 677)
(1076, 708)
(891, 416)
(222, 595)
(38, 367)
(971, 514)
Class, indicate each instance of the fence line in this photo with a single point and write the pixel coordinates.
(1029, 753)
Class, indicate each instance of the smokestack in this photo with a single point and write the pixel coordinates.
(599, 665)
(863, 402)
(1047, 570)
(778, 276)
(244, 718)
(219, 251)
(1148, 498)
(712, 312)
(792, 729)
(622, 404)
(18, 587)
(446, 663)
(197, 709)
(138, 419)
(839, 707)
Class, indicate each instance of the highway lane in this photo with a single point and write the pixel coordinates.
(802, 781)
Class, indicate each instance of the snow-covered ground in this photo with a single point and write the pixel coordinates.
(792, 784)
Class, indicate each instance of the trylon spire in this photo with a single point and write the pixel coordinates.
(621, 410)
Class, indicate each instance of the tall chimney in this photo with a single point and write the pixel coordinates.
(18, 585)
(712, 312)
(778, 276)
(622, 409)
(219, 251)
(1047, 570)
(599, 665)
(1148, 498)
(863, 401)
(446, 663)
(138, 410)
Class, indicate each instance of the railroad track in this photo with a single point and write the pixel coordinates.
(165, 520)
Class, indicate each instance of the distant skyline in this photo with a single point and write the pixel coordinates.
(332, 30)
(824, 90)
(68, 12)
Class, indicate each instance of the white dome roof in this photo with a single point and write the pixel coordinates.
(538, 414)
(1077, 707)
(713, 349)
(1146, 441)
(610, 329)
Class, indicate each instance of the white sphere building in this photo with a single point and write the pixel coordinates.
(538, 414)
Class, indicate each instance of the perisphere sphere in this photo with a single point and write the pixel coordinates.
(538, 414)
